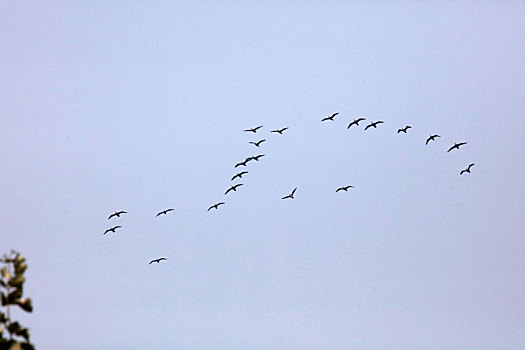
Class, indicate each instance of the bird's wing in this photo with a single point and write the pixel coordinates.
(112, 215)
(451, 148)
(369, 125)
(339, 189)
(228, 190)
(293, 192)
(159, 214)
(461, 144)
(327, 118)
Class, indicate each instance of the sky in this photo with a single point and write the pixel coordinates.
(141, 106)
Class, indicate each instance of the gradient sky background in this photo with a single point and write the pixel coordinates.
(141, 106)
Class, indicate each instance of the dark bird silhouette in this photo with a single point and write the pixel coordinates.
(344, 188)
(157, 260)
(355, 122)
(431, 138)
(239, 175)
(258, 143)
(404, 129)
(254, 130)
(280, 131)
(215, 206)
(164, 212)
(291, 195)
(257, 157)
(374, 124)
(242, 163)
(117, 214)
(466, 170)
(331, 118)
(112, 229)
(233, 188)
(456, 146)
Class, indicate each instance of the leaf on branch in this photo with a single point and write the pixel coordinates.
(4, 273)
(25, 304)
(20, 268)
(17, 281)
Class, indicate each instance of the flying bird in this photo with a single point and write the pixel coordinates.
(257, 157)
(456, 145)
(404, 129)
(242, 163)
(112, 229)
(164, 212)
(344, 188)
(280, 131)
(157, 260)
(233, 188)
(466, 170)
(254, 130)
(374, 124)
(331, 118)
(355, 122)
(239, 175)
(291, 195)
(431, 138)
(117, 214)
(215, 206)
(258, 143)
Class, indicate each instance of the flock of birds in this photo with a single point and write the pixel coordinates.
(239, 175)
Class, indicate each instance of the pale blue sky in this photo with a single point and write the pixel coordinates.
(141, 106)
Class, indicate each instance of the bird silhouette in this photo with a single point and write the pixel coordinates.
(215, 206)
(164, 212)
(280, 131)
(355, 122)
(431, 138)
(344, 188)
(466, 170)
(291, 195)
(157, 260)
(239, 175)
(117, 214)
(331, 118)
(258, 143)
(404, 129)
(233, 188)
(256, 158)
(254, 130)
(374, 124)
(242, 163)
(456, 146)
(112, 229)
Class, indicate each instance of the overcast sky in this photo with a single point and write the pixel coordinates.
(141, 106)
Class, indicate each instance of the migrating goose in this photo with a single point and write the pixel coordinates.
(239, 175)
(242, 163)
(157, 260)
(456, 146)
(291, 195)
(355, 122)
(233, 188)
(331, 118)
(164, 212)
(280, 131)
(431, 138)
(258, 143)
(374, 124)
(344, 188)
(112, 229)
(215, 206)
(256, 157)
(404, 129)
(254, 130)
(117, 214)
(466, 170)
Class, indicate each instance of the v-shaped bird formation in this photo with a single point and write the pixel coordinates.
(291, 195)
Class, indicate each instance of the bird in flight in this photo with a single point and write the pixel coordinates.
(242, 163)
(431, 138)
(164, 212)
(112, 229)
(291, 195)
(466, 170)
(157, 260)
(233, 188)
(456, 145)
(117, 214)
(404, 129)
(374, 124)
(256, 157)
(258, 143)
(355, 122)
(215, 206)
(344, 188)
(254, 130)
(239, 175)
(280, 131)
(331, 118)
